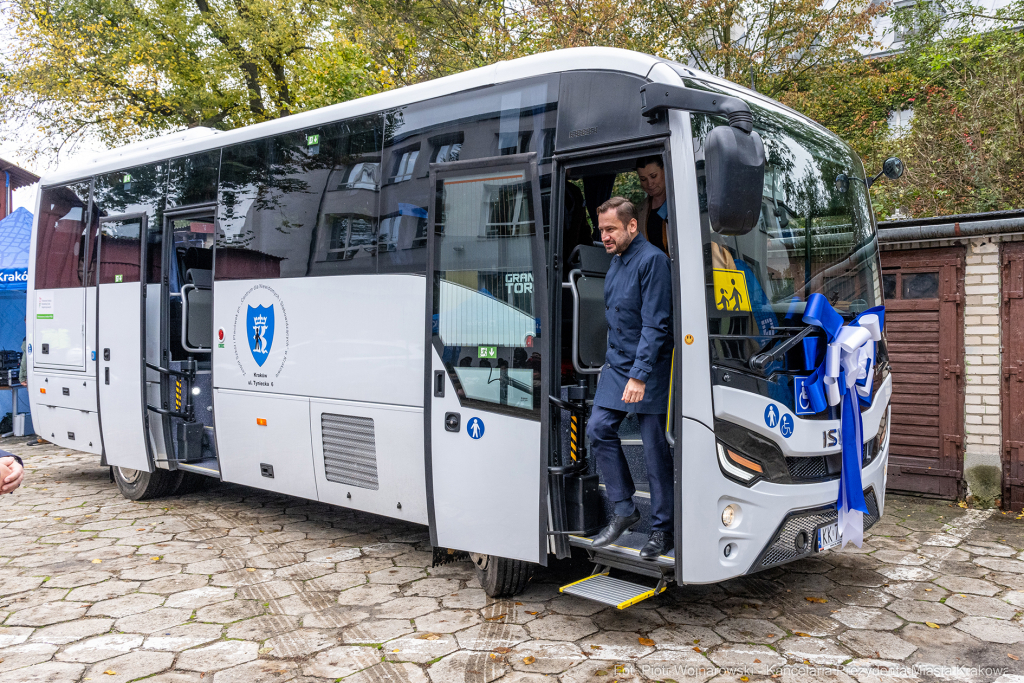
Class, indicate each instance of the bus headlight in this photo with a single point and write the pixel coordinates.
(738, 466)
(729, 515)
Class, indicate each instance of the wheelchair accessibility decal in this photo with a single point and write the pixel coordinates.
(475, 428)
(773, 417)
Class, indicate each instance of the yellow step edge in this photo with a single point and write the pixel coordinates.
(585, 578)
(642, 596)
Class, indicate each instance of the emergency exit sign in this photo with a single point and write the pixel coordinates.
(487, 352)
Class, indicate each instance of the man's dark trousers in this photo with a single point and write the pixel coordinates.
(606, 447)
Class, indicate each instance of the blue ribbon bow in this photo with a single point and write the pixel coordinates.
(845, 378)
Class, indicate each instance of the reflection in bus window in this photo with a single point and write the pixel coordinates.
(193, 179)
(484, 290)
(137, 190)
(60, 240)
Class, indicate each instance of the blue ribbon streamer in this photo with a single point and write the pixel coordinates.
(820, 313)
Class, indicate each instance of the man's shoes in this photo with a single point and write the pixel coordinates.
(615, 529)
(659, 544)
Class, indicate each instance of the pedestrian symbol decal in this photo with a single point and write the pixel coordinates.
(771, 416)
(261, 332)
(731, 290)
(475, 428)
(786, 425)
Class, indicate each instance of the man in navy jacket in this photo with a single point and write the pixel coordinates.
(635, 378)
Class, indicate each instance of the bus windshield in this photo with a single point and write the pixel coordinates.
(815, 235)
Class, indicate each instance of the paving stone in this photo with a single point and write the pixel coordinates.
(478, 667)
(978, 606)
(633, 619)
(260, 671)
(44, 615)
(736, 655)
(857, 577)
(420, 647)
(230, 611)
(101, 647)
(563, 627)
(862, 597)
(615, 645)
(14, 635)
(811, 624)
(69, 632)
(467, 598)
(879, 644)
(300, 643)
(161, 618)
(261, 628)
(920, 611)
(1000, 564)
(334, 617)
(271, 590)
(685, 638)
(177, 583)
(867, 618)
(491, 635)
(388, 671)
(241, 577)
(19, 584)
(913, 590)
(591, 672)
(130, 667)
(24, 655)
(76, 579)
(676, 665)
(341, 661)
(221, 655)
(183, 637)
(814, 650)
(396, 575)
(449, 621)
(991, 630)
(545, 657)
(376, 631)
(572, 604)
(199, 597)
(335, 581)
(695, 614)
(406, 608)
(963, 584)
(333, 555)
(48, 672)
(367, 595)
(749, 631)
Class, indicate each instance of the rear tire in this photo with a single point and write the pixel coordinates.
(140, 485)
(501, 577)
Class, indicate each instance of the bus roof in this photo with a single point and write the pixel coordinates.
(195, 140)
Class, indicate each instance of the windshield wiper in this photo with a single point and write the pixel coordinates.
(759, 362)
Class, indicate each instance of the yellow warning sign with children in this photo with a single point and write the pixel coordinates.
(731, 290)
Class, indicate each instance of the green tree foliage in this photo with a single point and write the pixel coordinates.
(122, 69)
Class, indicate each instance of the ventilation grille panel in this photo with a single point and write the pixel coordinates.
(350, 451)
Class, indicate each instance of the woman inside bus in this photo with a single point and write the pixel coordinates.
(652, 214)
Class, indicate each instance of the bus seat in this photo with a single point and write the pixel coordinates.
(201, 278)
(589, 265)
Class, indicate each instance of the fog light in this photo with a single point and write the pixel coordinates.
(728, 515)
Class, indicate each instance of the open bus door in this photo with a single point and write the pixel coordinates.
(120, 341)
(485, 388)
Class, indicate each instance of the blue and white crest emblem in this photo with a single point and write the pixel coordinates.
(260, 325)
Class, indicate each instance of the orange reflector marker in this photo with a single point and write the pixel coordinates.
(261, 421)
(42, 390)
(746, 462)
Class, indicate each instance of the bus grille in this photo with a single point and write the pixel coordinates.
(783, 548)
(350, 451)
(813, 467)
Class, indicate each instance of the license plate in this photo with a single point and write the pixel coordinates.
(828, 537)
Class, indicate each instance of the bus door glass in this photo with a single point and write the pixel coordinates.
(120, 325)
(485, 301)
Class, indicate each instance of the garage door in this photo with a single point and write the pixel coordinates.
(1013, 375)
(924, 327)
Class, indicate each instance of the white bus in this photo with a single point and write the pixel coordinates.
(394, 305)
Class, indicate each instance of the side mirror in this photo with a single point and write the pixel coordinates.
(734, 168)
(893, 168)
(842, 183)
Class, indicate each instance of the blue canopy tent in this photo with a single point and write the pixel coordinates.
(15, 234)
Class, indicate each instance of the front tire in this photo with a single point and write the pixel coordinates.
(501, 577)
(140, 485)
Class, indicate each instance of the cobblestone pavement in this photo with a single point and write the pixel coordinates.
(236, 585)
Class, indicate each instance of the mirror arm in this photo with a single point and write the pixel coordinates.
(657, 98)
(871, 181)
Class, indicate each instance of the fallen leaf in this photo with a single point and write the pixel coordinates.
(500, 616)
(97, 561)
(646, 641)
(530, 659)
(1013, 657)
(110, 672)
(531, 612)
(744, 678)
(264, 650)
(519, 603)
(429, 636)
(696, 649)
(396, 650)
(930, 624)
(771, 635)
(503, 650)
(494, 656)
(818, 600)
(600, 672)
(757, 661)
(928, 590)
(155, 558)
(250, 569)
(595, 647)
(801, 634)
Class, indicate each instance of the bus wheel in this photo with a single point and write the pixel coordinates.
(501, 577)
(140, 485)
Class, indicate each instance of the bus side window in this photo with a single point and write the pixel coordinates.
(60, 251)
